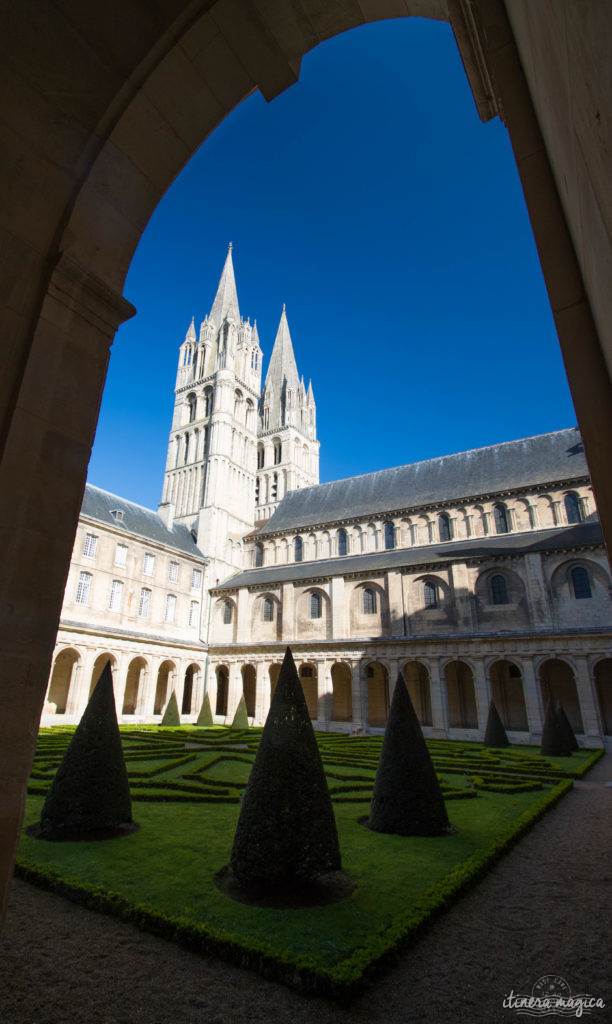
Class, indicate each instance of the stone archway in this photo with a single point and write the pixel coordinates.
(462, 713)
(249, 688)
(165, 680)
(191, 677)
(98, 668)
(222, 674)
(342, 692)
(273, 672)
(133, 680)
(508, 694)
(378, 693)
(310, 685)
(416, 677)
(62, 679)
(557, 683)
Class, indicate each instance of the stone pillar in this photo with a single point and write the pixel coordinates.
(540, 609)
(119, 679)
(325, 692)
(79, 687)
(338, 610)
(234, 692)
(439, 700)
(145, 697)
(533, 700)
(359, 693)
(589, 705)
(464, 604)
(482, 692)
(244, 606)
(395, 597)
(288, 612)
(262, 692)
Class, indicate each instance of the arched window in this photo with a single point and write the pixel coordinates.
(430, 594)
(581, 584)
(258, 556)
(444, 526)
(257, 490)
(274, 487)
(208, 401)
(342, 548)
(186, 456)
(192, 408)
(298, 549)
(499, 590)
(500, 514)
(369, 601)
(572, 508)
(227, 613)
(389, 536)
(278, 451)
(315, 606)
(260, 456)
(268, 609)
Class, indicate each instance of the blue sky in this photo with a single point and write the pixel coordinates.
(371, 200)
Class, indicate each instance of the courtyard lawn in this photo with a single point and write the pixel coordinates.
(162, 877)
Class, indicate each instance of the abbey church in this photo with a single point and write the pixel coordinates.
(477, 575)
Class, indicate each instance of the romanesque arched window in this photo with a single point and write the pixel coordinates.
(274, 493)
(260, 456)
(500, 515)
(573, 511)
(581, 584)
(369, 601)
(298, 549)
(259, 553)
(499, 589)
(278, 453)
(191, 401)
(389, 536)
(315, 606)
(227, 613)
(342, 542)
(444, 526)
(208, 401)
(268, 609)
(430, 595)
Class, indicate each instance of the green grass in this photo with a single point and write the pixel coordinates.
(162, 876)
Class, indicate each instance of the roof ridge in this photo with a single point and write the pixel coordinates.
(126, 501)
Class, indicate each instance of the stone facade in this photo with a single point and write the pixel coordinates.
(476, 575)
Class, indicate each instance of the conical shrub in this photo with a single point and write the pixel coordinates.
(495, 734)
(205, 718)
(241, 718)
(171, 715)
(90, 794)
(407, 799)
(566, 725)
(286, 832)
(555, 741)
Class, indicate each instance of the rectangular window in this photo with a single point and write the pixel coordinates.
(114, 603)
(196, 579)
(90, 546)
(170, 607)
(148, 565)
(173, 569)
(145, 601)
(121, 554)
(194, 609)
(83, 587)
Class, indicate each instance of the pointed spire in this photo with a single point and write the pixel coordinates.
(255, 335)
(282, 366)
(310, 392)
(226, 299)
(191, 334)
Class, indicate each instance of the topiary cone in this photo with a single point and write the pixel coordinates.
(407, 799)
(495, 734)
(171, 715)
(555, 741)
(90, 794)
(241, 718)
(565, 724)
(286, 832)
(205, 718)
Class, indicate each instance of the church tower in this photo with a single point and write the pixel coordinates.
(288, 450)
(210, 470)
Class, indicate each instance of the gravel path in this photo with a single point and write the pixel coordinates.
(544, 909)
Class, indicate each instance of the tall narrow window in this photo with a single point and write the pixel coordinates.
(499, 590)
(500, 515)
(186, 456)
(170, 607)
(83, 587)
(227, 613)
(116, 591)
(444, 526)
(173, 572)
(121, 554)
(145, 602)
(257, 487)
(581, 584)
(573, 511)
(90, 545)
(278, 451)
(298, 549)
(260, 456)
(389, 536)
(430, 594)
(194, 613)
(208, 401)
(369, 601)
(315, 606)
(192, 408)
(274, 487)
(259, 554)
(148, 564)
(196, 579)
(268, 609)
(341, 542)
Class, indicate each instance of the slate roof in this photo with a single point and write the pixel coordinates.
(544, 459)
(496, 546)
(137, 521)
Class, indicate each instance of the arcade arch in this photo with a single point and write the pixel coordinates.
(63, 678)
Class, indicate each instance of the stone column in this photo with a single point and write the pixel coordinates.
(464, 604)
(395, 597)
(589, 705)
(359, 694)
(119, 680)
(234, 691)
(325, 692)
(533, 700)
(338, 610)
(288, 612)
(262, 692)
(145, 698)
(439, 700)
(540, 608)
(244, 604)
(482, 692)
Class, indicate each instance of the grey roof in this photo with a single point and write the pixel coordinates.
(137, 520)
(543, 459)
(497, 546)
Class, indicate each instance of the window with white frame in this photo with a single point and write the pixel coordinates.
(121, 554)
(194, 611)
(90, 545)
(145, 602)
(83, 588)
(196, 579)
(116, 591)
(170, 607)
(173, 570)
(148, 564)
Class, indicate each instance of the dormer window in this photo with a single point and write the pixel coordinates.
(117, 514)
